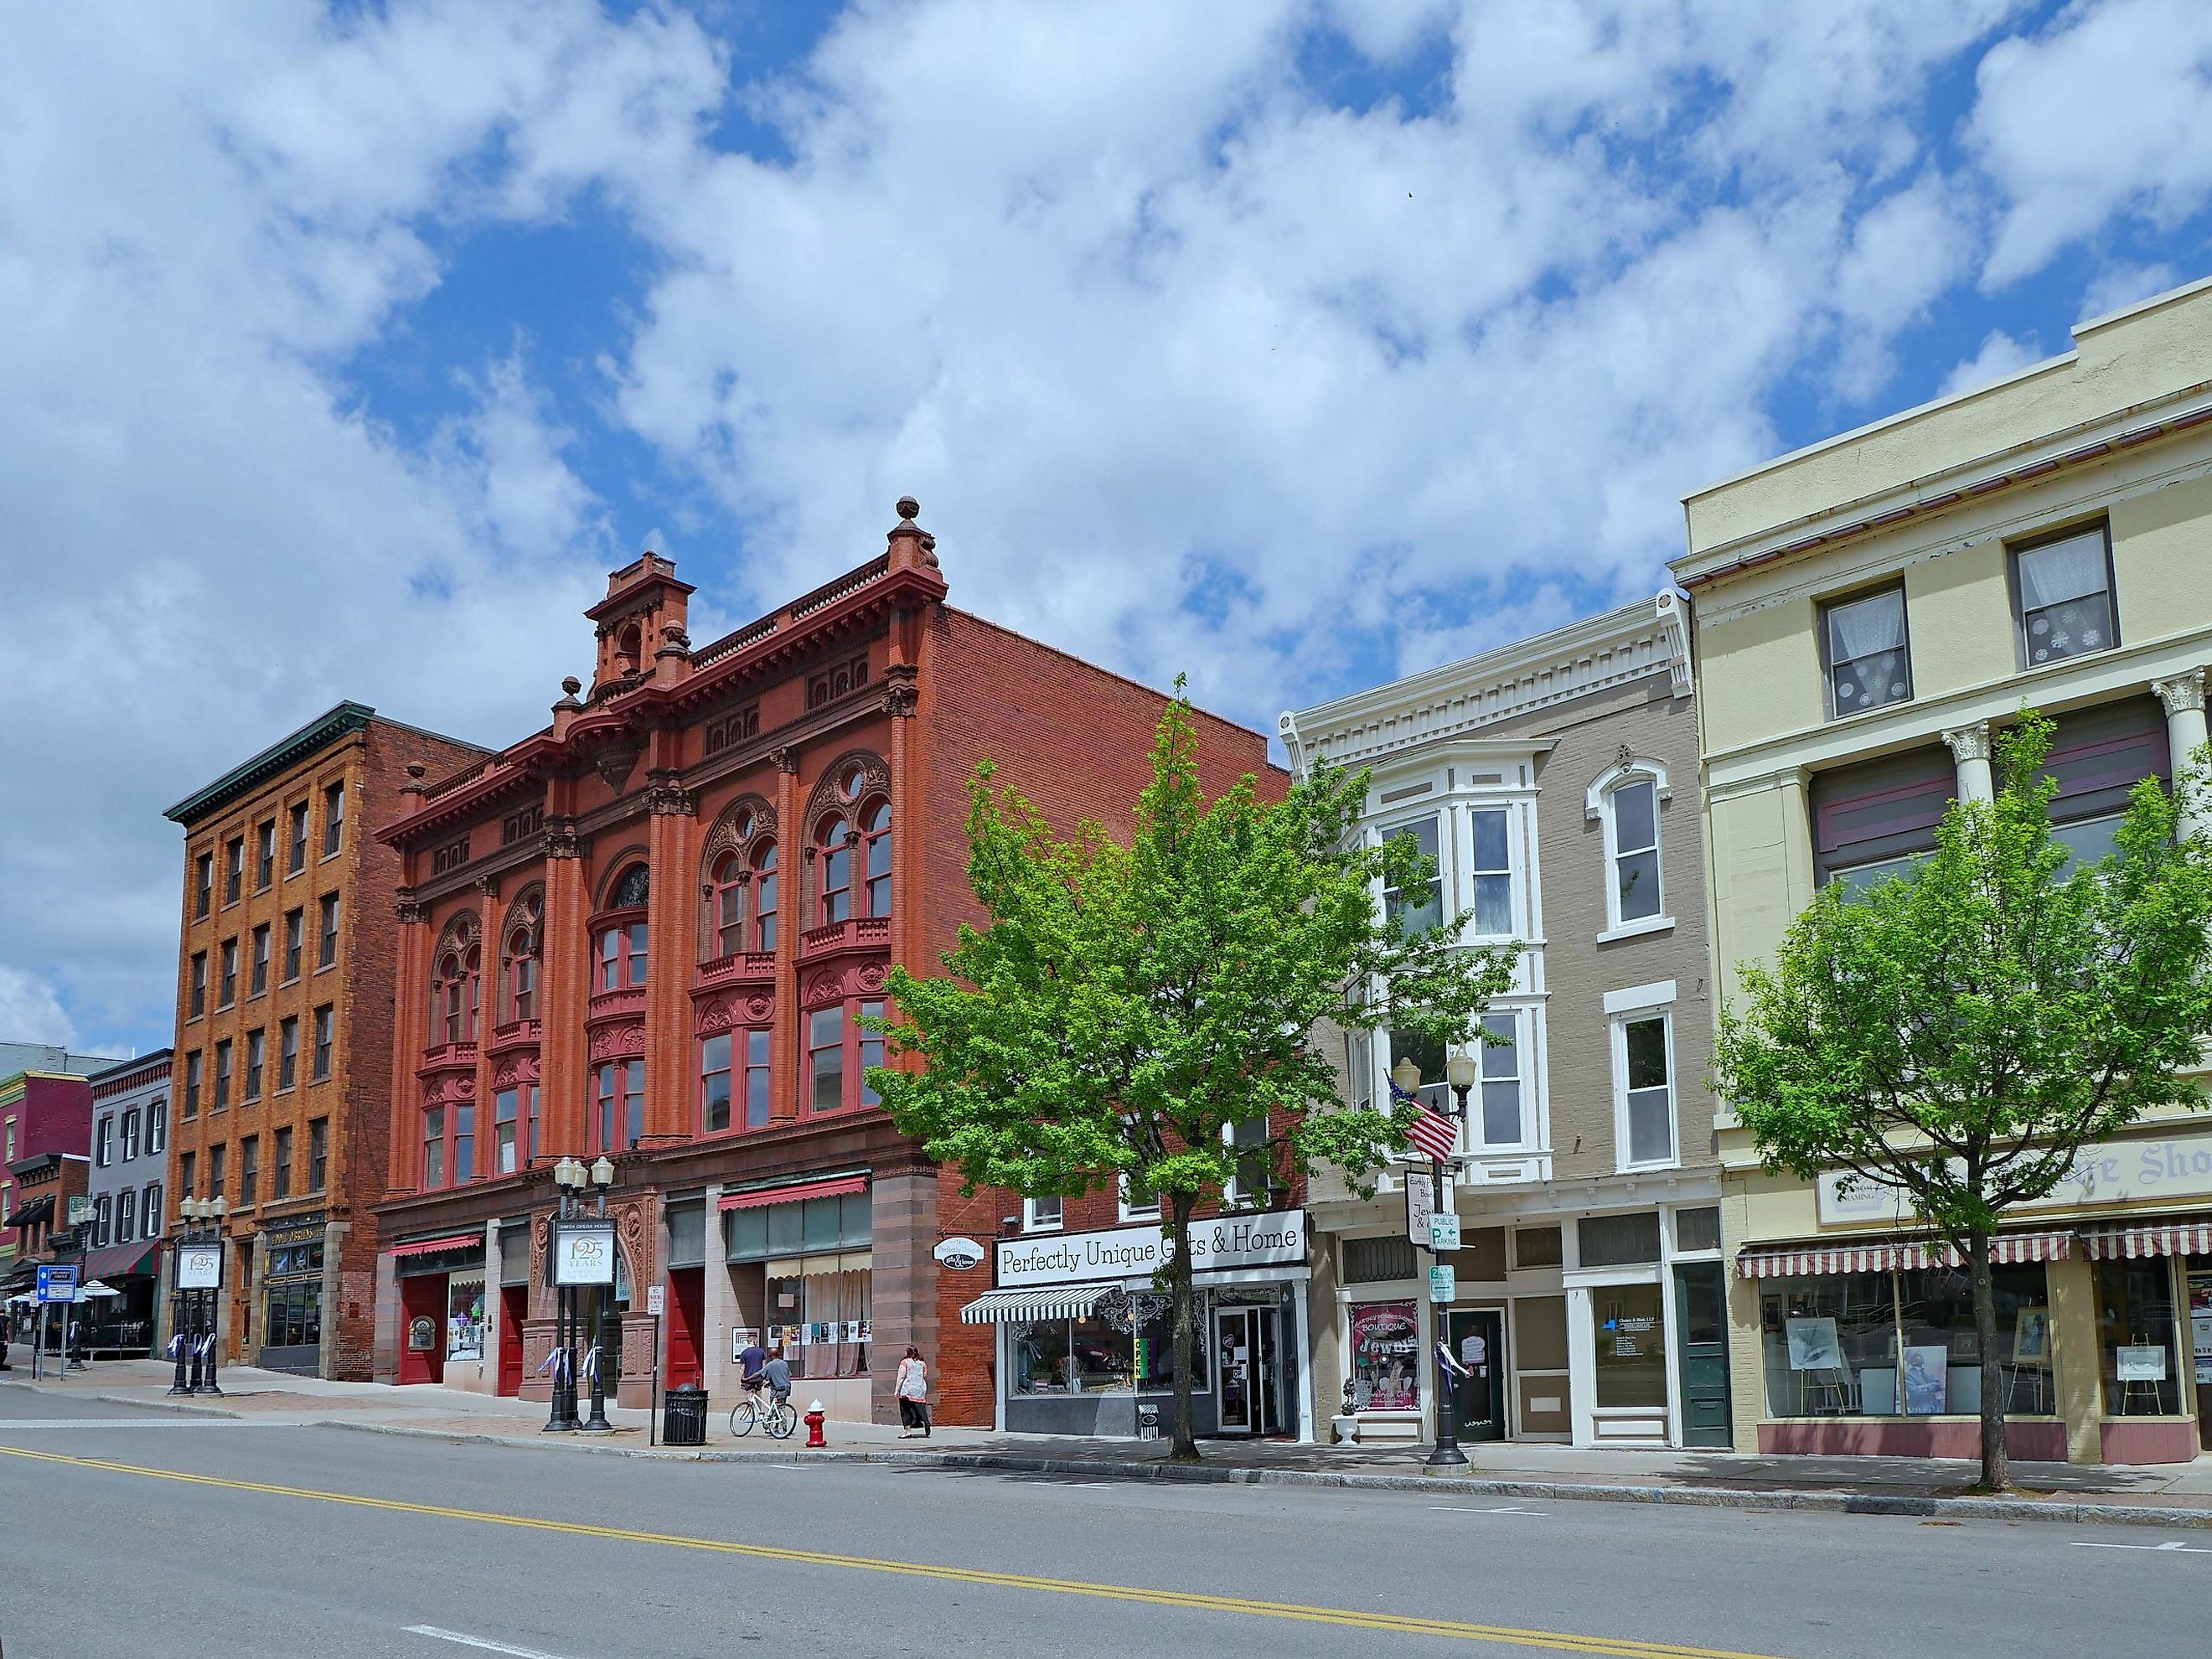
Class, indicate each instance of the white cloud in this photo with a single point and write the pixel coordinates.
(2120, 285)
(2108, 113)
(1190, 369)
(1998, 356)
(31, 1011)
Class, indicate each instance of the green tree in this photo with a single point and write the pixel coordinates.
(1130, 1006)
(1957, 1033)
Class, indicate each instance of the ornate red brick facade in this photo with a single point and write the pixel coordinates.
(809, 770)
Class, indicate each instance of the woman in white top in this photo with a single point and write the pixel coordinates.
(913, 1390)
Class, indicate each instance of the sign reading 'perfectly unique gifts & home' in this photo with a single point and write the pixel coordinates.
(1276, 1239)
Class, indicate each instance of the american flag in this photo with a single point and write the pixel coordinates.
(1432, 1134)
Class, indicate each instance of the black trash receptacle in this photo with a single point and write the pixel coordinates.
(683, 1416)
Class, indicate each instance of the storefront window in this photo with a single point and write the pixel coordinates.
(818, 1314)
(294, 1315)
(1832, 1344)
(1155, 1349)
(1042, 1352)
(1632, 1345)
(1386, 1357)
(465, 1320)
(2135, 1319)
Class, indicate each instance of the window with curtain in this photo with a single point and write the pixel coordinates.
(1489, 878)
(2064, 593)
(1870, 661)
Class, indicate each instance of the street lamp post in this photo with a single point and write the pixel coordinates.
(214, 1210)
(1461, 1072)
(602, 1177)
(181, 1336)
(567, 1175)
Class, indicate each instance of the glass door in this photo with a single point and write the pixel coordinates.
(1478, 1342)
(1235, 1355)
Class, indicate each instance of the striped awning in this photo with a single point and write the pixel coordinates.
(792, 1192)
(1019, 1307)
(452, 1242)
(1806, 1260)
(2156, 1238)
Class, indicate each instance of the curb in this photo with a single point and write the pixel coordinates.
(51, 1392)
(1828, 1503)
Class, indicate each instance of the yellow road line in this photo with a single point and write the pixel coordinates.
(1396, 1624)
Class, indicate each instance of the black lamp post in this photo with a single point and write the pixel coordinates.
(568, 1175)
(1461, 1071)
(602, 1176)
(182, 1337)
(212, 1210)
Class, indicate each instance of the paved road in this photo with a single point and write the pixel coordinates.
(132, 1531)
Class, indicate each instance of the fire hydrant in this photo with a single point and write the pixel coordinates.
(815, 1418)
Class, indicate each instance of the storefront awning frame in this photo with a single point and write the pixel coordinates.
(792, 1193)
(1892, 1255)
(1021, 1305)
(2150, 1238)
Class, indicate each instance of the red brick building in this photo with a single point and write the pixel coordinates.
(280, 1101)
(648, 929)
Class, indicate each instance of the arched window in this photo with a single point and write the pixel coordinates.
(764, 896)
(836, 839)
(875, 857)
(1626, 797)
(622, 942)
(726, 900)
(519, 965)
(472, 990)
(445, 994)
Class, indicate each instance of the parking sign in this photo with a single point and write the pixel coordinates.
(57, 1284)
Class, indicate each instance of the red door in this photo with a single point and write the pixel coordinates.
(687, 1319)
(422, 1329)
(513, 1304)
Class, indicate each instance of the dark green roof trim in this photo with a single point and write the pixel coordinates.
(280, 756)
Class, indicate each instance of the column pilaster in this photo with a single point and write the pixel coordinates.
(2183, 696)
(565, 986)
(407, 1028)
(791, 912)
(1970, 747)
(672, 916)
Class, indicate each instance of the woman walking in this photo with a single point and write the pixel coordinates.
(913, 1390)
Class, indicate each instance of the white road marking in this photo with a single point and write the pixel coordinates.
(179, 1422)
(1455, 1509)
(479, 1642)
(2168, 1549)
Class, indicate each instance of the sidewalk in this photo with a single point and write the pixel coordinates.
(2171, 1495)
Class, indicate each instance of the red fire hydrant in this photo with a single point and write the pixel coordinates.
(815, 1418)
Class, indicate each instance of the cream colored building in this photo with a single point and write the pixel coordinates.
(1866, 611)
(1554, 783)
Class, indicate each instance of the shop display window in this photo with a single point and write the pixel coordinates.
(1834, 1344)
(2136, 1317)
(1385, 1356)
(818, 1314)
(1632, 1344)
(465, 1317)
(1101, 1356)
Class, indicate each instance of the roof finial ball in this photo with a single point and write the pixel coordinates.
(911, 545)
(908, 508)
(571, 684)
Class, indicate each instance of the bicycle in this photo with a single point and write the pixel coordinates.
(779, 1418)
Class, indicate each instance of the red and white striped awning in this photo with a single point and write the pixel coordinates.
(1807, 1261)
(2166, 1238)
(452, 1242)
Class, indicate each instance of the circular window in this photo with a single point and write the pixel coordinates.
(854, 780)
(744, 825)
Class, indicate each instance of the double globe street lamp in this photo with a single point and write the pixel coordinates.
(572, 1178)
(1461, 1072)
(193, 1310)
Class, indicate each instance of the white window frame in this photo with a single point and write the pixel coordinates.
(1135, 1211)
(133, 1131)
(1509, 811)
(1472, 1139)
(1598, 807)
(104, 1142)
(101, 1222)
(149, 1210)
(1233, 1197)
(1032, 1221)
(1624, 1008)
(1436, 816)
(157, 1127)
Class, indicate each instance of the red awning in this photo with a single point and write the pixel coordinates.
(2169, 1238)
(794, 1193)
(424, 1246)
(121, 1260)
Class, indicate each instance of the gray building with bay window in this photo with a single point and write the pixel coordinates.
(123, 1241)
(1555, 782)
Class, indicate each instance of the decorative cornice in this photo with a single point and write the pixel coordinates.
(1969, 742)
(562, 841)
(784, 758)
(410, 910)
(900, 691)
(280, 756)
(664, 795)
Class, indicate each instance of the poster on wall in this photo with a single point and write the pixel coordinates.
(465, 1319)
(1927, 1381)
(2200, 1324)
(1813, 1346)
(1386, 1342)
(741, 1338)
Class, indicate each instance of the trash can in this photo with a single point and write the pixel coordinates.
(683, 1416)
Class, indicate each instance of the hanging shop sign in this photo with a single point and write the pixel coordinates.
(2152, 1169)
(1421, 1206)
(958, 1254)
(1219, 1244)
(583, 1253)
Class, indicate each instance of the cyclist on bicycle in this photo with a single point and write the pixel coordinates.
(777, 1375)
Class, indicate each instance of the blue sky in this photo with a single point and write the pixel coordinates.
(1294, 345)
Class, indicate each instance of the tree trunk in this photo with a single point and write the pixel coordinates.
(1996, 1463)
(1179, 1205)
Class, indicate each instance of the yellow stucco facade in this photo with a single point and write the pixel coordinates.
(1940, 500)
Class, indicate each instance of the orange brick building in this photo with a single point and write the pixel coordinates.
(282, 1087)
(648, 929)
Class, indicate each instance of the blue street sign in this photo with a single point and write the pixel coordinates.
(57, 1284)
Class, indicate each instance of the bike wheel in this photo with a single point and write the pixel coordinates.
(782, 1419)
(741, 1418)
